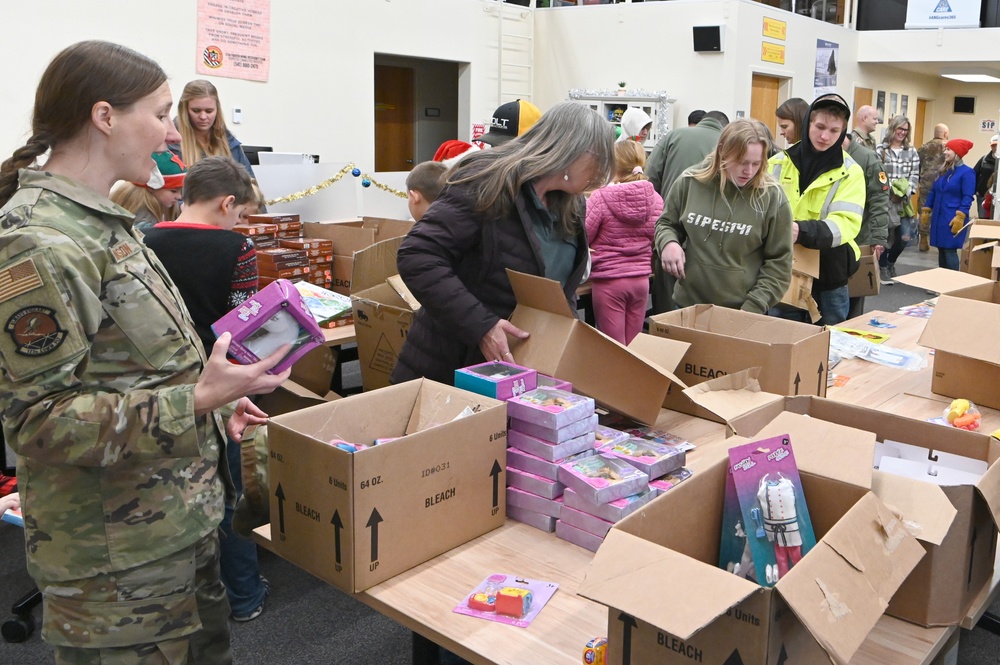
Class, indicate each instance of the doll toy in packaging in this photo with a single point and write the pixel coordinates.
(276, 315)
(765, 524)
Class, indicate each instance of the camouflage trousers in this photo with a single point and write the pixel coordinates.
(172, 611)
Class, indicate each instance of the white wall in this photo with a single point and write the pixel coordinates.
(319, 95)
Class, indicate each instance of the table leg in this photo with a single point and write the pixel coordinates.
(425, 652)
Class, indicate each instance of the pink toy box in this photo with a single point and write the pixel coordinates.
(550, 408)
(546, 449)
(546, 381)
(571, 431)
(654, 459)
(613, 510)
(274, 316)
(602, 478)
(538, 504)
(531, 518)
(584, 539)
(519, 459)
(496, 379)
(529, 482)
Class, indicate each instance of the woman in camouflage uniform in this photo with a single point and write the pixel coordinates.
(107, 396)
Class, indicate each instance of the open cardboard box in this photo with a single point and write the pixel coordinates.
(308, 385)
(382, 316)
(669, 602)
(792, 356)
(805, 268)
(357, 519)
(350, 236)
(962, 330)
(632, 381)
(981, 254)
(957, 526)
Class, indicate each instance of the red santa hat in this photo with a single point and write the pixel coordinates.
(452, 151)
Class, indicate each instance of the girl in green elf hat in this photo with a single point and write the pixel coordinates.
(158, 199)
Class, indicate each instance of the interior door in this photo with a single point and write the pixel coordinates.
(764, 100)
(862, 97)
(394, 135)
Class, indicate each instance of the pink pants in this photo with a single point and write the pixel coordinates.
(620, 306)
(787, 557)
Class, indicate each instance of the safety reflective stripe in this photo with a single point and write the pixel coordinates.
(776, 170)
(825, 210)
(846, 206)
(838, 239)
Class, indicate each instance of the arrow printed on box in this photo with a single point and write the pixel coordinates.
(280, 493)
(819, 379)
(628, 623)
(495, 472)
(337, 526)
(373, 523)
(871, 280)
(734, 658)
(798, 379)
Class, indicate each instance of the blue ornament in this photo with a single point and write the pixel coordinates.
(366, 182)
(355, 172)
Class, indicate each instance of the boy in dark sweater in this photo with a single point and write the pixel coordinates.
(215, 270)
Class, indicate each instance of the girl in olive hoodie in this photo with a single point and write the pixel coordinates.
(726, 229)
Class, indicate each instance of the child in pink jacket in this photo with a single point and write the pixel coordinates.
(620, 222)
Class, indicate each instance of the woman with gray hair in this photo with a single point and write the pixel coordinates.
(902, 167)
(519, 206)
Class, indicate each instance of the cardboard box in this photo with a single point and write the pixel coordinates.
(630, 380)
(957, 526)
(382, 317)
(865, 280)
(981, 254)
(357, 519)
(963, 331)
(308, 385)
(669, 602)
(792, 356)
(350, 236)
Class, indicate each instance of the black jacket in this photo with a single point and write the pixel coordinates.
(984, 169)
(454, 261)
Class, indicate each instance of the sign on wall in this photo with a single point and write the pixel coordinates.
(234, 38)
(826, 65)
(922, 14)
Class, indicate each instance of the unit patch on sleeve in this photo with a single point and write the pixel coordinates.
(35, 331)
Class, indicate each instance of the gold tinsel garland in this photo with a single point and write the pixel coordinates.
(336, 178)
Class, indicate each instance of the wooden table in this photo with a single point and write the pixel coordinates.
(339, 335)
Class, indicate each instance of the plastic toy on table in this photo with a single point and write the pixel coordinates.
(507, 599)
(963, 414)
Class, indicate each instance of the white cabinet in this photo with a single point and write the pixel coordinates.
(610, 104)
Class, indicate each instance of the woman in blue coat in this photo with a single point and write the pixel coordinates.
(949, 201)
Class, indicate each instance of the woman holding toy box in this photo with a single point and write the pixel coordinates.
(518, 206)
(106, 394)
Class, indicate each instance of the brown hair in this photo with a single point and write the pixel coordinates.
(78, 77)
(193, 149)
(794, 109)
(628, 156)
(218, 176)
(428, 179)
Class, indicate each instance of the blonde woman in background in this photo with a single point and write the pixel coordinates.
(726, 229)
(202, 128)
(620, 221)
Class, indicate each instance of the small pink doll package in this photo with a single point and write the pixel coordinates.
(765, 523)
(274, 316)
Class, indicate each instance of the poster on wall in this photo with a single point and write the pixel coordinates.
(880, 106)
(904, 103)
(827, 62)
(892, 104)
(924, 14)
(234, 38)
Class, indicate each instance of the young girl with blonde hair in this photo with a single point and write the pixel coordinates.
(202, 128)
(726, 228)
(620, 220)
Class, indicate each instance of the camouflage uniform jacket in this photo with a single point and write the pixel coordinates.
(99, 362)
(931, 159)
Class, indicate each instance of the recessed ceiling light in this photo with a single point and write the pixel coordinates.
(973, 78)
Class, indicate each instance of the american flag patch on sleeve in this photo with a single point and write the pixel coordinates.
(18, 278)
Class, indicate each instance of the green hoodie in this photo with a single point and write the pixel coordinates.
(738, 252)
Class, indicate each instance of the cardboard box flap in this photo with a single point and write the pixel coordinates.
(399, 286)
(980, 231)
(826, 449)
(635, 576)
(926, 510)
(731, 395)
(840, 590)
(944, 332)
(666, 356)
(985, 246)
(989, 488)
(539, 293)
(941, 280)
(374, 264)
(995, 259)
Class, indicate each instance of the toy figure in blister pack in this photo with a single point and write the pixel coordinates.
(776, 496)
(280, 329)
(744, 568)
